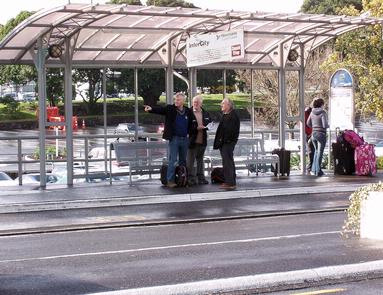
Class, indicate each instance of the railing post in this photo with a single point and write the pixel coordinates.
(20, 159)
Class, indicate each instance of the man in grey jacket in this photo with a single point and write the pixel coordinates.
(319, 123)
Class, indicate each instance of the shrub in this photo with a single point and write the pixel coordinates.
(352, 222)
(11, 105)
(50, 151)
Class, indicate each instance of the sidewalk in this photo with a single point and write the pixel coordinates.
(29, 198)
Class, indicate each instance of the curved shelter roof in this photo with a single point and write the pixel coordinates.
(125, 35)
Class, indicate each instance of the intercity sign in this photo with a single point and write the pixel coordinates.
(214, 47)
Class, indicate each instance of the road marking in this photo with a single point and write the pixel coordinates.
(172, 247)
(321, 292)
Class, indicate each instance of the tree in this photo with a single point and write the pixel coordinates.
(267, 91)
(17, 74)
(93, 78)
(329, 6)
(129, 2)
(361, 53)
(170, 3)
(55, 86)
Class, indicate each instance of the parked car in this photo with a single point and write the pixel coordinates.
(35, 178)
(6, 180)
(129, 129)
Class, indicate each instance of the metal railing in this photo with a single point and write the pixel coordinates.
(82, 147)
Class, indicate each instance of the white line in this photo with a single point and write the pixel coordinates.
(171, 247)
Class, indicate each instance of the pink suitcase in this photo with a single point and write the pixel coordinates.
(365, 160)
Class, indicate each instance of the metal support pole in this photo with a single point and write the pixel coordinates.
(224, 83)
(193, 85)
(252, 103)
(282, 99)
(41, 70)
(169, 75)
(68, 111)
(136, 103)
(302, 122)
(105, 119)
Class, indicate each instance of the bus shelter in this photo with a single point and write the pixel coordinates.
(126, 36)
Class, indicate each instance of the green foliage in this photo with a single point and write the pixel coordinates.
(55, 86)
(18, 74)
(93, 77)
(328, 6)
(129, 2)
(170, 3)
(50, 151)
(11, 105)
(379, 162)
(352, 222)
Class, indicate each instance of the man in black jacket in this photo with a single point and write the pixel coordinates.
(197, 141)
(225, 140)
(177, 127)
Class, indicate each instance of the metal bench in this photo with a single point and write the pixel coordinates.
(148, 157)
(142, 157)
(249, 153)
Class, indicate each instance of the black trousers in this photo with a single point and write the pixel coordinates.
(227, 154)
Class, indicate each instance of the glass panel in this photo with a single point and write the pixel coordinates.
(109, 55)
(25, 36)
(8, 54)
(53, 17)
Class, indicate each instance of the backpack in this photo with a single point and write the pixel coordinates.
(217, 175)
(353, 138)
(181, 178)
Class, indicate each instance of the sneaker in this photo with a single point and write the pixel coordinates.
(171, 184)
(191, 182)
(203, 181)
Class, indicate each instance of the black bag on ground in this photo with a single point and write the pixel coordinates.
(284, 160)
(217, 175)
(163, 174)
(181, 176)
(343, 158)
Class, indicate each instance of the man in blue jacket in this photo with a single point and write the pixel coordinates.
(177, 126)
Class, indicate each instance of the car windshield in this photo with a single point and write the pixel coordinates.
(4, 176)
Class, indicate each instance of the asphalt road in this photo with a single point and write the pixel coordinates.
(43, 221)
(364, 287)
(113, 259)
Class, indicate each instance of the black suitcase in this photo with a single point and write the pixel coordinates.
(343, 158)
(284, 160)
(217, 175)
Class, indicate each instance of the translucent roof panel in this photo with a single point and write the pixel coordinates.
(135, 35)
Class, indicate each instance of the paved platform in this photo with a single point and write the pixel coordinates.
(56, 197)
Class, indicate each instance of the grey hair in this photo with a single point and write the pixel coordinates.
(199, 98)
(180, 94)
(229, 102)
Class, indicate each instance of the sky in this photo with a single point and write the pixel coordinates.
(12, 8)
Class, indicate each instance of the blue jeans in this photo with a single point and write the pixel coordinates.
(178, 147)
(319, 142)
